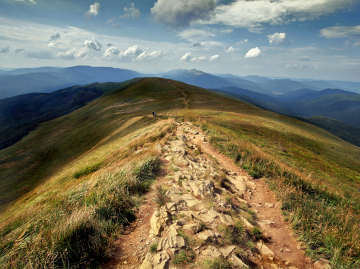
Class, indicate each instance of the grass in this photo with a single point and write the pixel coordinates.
(76, 181)
(218, 263)
(183, 257)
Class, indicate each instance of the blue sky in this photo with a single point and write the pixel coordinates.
(317, 39)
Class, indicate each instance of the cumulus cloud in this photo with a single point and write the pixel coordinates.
(230, 50)
(38, 54)
(148, 56)
(93, 44)
(187, 57)
(254, 52)
(195, 35)
(94, 10)
(130, 54)
(252, 14)
(73, 54)
(111, 52)
(276, 38)
(214, 57)
(341, 32)
(177, 13)
(5, 50)
(131, 12)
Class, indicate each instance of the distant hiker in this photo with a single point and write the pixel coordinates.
(153, 113)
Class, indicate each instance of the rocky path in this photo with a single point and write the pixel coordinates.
(205, 212)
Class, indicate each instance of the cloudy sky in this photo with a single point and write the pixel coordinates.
(279, 38)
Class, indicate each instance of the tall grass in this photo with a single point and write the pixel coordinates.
(327, 222)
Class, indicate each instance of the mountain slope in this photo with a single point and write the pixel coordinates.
(75, 181)
(45, 80)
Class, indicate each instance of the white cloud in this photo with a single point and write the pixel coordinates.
(230, 50)
(186, 58)
(177, 13)
(131, 12)
(214, 57)
(252, 14)
(341, 32)
(93, 44)
(201, 58)
(5, 50)
(131, 54)
(254, 52)
(111, 52)
(94, 10)
(38, 54)
(31, 1)
(195, 35)
(73, 54)
(148, 56)
(242, 42)
(276, 38)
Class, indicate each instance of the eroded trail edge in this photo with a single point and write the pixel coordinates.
(205, 212)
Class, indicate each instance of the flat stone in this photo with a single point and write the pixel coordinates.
(176, 198)
(205, 235)
(226, 251)
(322, 264)
(160, 260)
(193, 227)
(264, 250)
(147, 263)
(226, 219)
(171, 242)
(246, 222)
(173, 231)
(210, 252)
(208, 217)
(269, 205)
(237, 261)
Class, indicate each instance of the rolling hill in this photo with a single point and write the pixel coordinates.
(71, 186)
(49, 79)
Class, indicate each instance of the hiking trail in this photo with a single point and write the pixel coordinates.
(212, 211)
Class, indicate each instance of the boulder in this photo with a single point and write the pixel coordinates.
(171, 242)
(160, 260)
(226, 251)
(226, 219)
(322, 264)
(147, 263)
(210, 252)
(205, 235)
(193, 227)
(237, 261)
(159, 220)
(264, 250)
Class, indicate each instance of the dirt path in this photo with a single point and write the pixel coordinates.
(189, 179)
(186, 99)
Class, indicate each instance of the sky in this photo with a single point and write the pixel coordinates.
(314, 39)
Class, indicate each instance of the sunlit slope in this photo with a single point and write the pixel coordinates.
(50, 148)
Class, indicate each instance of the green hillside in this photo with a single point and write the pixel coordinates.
(71, 185)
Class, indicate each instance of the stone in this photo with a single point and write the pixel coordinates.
(147, 263)
(226, 251)
(263, 223)
(246, 222)
(269, 205)
(195, 205)
(159, 220)
(176, 198)
(158, 148)
(322, 264)
(226, 219)
(264, 250)
(237, 261)
(160, 260)
(172, 230)
(171, 206)
(210, 252)
(171, 242)
(208, 217)
(193, 227)
(205, 235)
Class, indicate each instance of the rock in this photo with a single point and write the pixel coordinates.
(159, 220)
(210, 252)
(205, 235)
(246, 222)
(158, 148)
(322, 264)
(176, 198)
(269, 205)
(237, 261)
(172, 230)
(147, 263)
(208, 217)
(191, 158)
(171, 206)
(195, 205)
(171, 242)
(263, 223)
(204, 140)
(160, 260)
(193, 227)
(264, 250)
(226, 219)
(226, 251)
